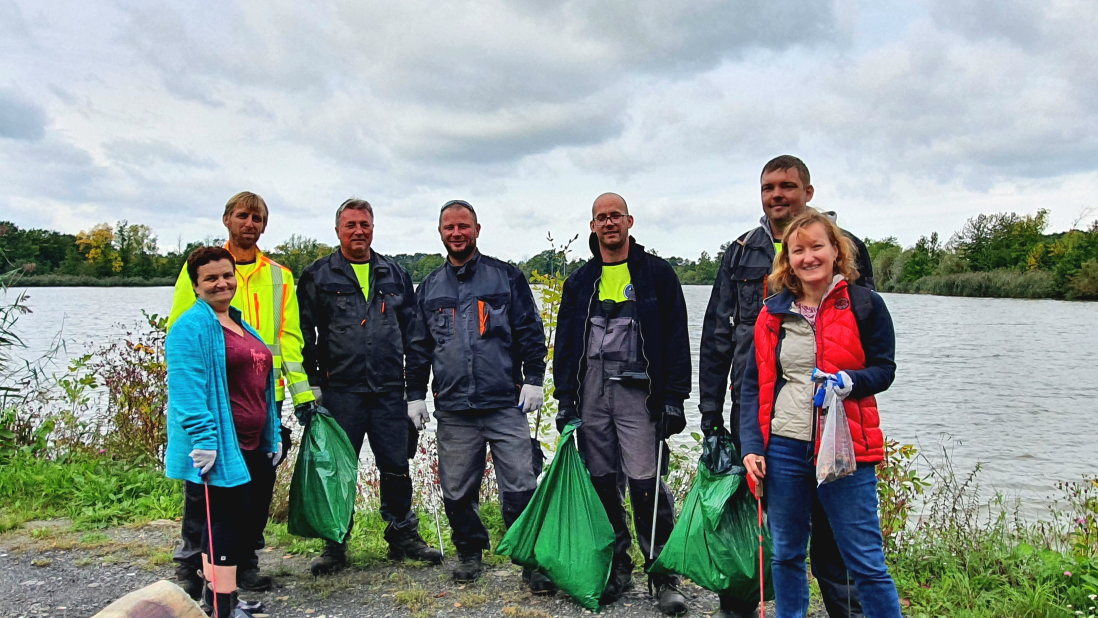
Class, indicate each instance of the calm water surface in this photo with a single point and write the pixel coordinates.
(1011, 384)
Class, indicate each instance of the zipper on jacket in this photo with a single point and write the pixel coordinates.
(583, 355)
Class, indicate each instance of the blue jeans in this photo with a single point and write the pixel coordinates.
(851, 506)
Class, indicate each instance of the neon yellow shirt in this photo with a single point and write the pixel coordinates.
(616, 284)
(777, 248)
(362, 273)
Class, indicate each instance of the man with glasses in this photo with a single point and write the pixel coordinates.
(357, 314)
(622, 365)
(480, 332)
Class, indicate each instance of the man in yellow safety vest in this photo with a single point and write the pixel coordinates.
(265, 295)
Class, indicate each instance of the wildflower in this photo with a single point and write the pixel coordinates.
(1082, 522)
(1067, 573)
(1093, 596)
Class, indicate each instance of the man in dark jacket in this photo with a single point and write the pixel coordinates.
(357, 313)
(727, 335)
(479, 330)
(622, 365)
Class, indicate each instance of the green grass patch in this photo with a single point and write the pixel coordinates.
(92, 492)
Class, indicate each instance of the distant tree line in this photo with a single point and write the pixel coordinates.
(1001, 255)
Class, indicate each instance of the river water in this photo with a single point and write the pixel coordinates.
(1010, 384)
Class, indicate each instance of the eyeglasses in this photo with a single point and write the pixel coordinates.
(614, 218)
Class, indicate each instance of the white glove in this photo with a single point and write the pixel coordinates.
(277, 456)
(530, 398)
(844, 384)
(317, 395)
(203, 460)
(417, 413)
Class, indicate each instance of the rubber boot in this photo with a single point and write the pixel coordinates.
(538, 582)
(669, 598)
(620, 581)
(411, 546)
(332, 560)
(732, 607)
(248, 576)
(469, 568)
(226, 604)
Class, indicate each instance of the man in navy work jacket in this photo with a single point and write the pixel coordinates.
(727, 334)
(480, 332)
(622, 365)
(357, 313)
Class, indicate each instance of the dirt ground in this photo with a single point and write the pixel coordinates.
(47, 569)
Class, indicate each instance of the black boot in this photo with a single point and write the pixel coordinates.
(669, 598)
(620, 582)
(411, 546)
(469, 568)
(332, 560)
(248, 576)
(190, 579)
(226, 605)
(538, 582)
(732, 607)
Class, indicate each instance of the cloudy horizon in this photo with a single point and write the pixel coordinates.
(912, 115)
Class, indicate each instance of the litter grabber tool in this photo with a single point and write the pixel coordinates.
(209, 531)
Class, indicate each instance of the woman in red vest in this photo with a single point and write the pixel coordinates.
(817, 320)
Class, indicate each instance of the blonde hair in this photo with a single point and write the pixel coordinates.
(249, 201)
(783, 276)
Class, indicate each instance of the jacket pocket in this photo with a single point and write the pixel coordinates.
(493, 318)
(340, 301)
(441, 312)
(388, 298)
(749, 282)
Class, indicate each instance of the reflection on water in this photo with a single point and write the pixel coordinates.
(1009, 383)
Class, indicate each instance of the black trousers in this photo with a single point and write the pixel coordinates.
(238, 517)
(840, 597)
(383, 418)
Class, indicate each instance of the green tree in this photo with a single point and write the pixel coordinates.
(298, 252)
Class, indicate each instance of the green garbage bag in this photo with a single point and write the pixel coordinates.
(325, 483)
(715, 542)
(564, 531)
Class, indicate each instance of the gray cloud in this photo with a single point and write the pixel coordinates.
(20, 119)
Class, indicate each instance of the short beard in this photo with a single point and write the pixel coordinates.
(461, 256)
(616, 246)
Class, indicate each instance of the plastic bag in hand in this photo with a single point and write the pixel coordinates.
(836, 457)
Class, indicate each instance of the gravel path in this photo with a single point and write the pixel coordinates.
(46, 569)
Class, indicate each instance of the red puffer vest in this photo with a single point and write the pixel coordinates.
(838, 348)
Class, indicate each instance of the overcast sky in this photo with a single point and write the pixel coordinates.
(911, 115)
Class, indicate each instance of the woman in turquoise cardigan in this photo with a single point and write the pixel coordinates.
(223, 427)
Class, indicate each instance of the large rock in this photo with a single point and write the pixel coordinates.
(160, 600)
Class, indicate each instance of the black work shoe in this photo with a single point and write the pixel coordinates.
(728, 613)
(620, 582)
(669, 598)
(469, 568)
(190, 580)
(411, 546)
(538, 582)
(252, 580)
(332, 560)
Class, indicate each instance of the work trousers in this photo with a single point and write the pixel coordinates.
(239, 516)
(462, 441)
(383, 418)
(618, 440)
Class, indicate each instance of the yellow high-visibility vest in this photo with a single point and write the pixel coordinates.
(266, 298)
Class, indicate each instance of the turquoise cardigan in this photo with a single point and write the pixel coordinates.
(199, 413)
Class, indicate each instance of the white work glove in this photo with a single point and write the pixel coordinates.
(277, 456)
(203, 460)
(843, 385)
(316, 395)
(417, 413)
(530, 398)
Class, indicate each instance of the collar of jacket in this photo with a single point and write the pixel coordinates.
(260, 258)
(636, 250)
(782, 302)
(466, 270)
(343, 265)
